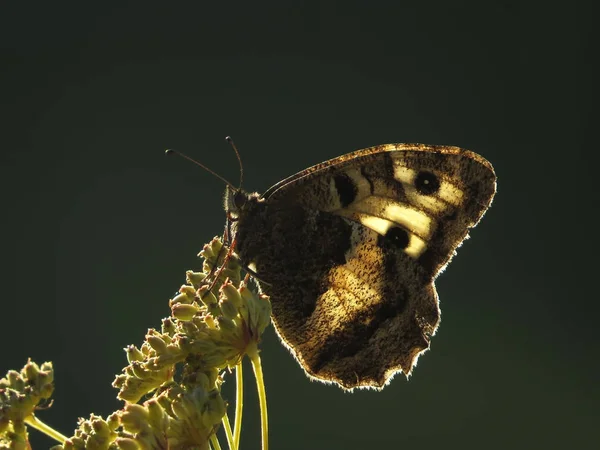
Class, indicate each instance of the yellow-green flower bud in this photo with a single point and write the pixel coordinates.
(157, 343)
(184, 311)
(100, 427)
(207, 251)
(196, 279)
(134, 417)
(206, 296)
(127, 444)
(133, 389)
(231, 293)
(215, 359)
(214, 309)
(146, 350)
(188, 404)
(119, 381)
(259, 310)
(209, 320)
(113, 421)
(85, 426)
(15, 381)
(190, 291)
(133, 354)
(158, 418)
(187, 294)
(216, 245)
(31, 370)
(178, 410)
(168, 327)
(215, 409)
(228, 308)
(201, 379)
(48, 370)
(227, 325)
(190, 328)
(202, 346)
(139, 370)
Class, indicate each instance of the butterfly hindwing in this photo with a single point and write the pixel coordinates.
(349, 250)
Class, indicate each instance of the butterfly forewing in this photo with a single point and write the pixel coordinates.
(423, 197)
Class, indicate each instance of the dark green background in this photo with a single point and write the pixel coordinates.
(98, 227)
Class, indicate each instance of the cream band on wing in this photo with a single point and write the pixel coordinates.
(415, 221)
(411, 219)
(363, 186)
(429, 203)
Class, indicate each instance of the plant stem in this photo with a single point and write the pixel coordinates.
(239, 404)
(262, 395)
(230, 441)
(214, 442)
(36, 423)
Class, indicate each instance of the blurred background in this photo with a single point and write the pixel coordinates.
(98, 227)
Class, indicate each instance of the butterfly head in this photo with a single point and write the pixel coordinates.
(237, 201)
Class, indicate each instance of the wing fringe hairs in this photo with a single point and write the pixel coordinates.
(181, 367)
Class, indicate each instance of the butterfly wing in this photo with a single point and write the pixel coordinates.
(433, 194)
(356, 244)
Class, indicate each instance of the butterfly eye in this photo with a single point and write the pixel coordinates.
(239, 199)
(427, 183)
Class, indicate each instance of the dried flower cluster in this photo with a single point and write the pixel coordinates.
(180, 366)
(20, 394)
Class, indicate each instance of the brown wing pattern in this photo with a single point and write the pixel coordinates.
(351, 247)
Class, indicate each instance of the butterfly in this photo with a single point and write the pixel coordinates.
(349, 250)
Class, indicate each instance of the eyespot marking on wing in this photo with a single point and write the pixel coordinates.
(427, 183)
(414, 247)
(447, 192)
(397, 237)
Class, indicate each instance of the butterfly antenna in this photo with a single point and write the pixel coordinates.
(170, 151)
(228, 139)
